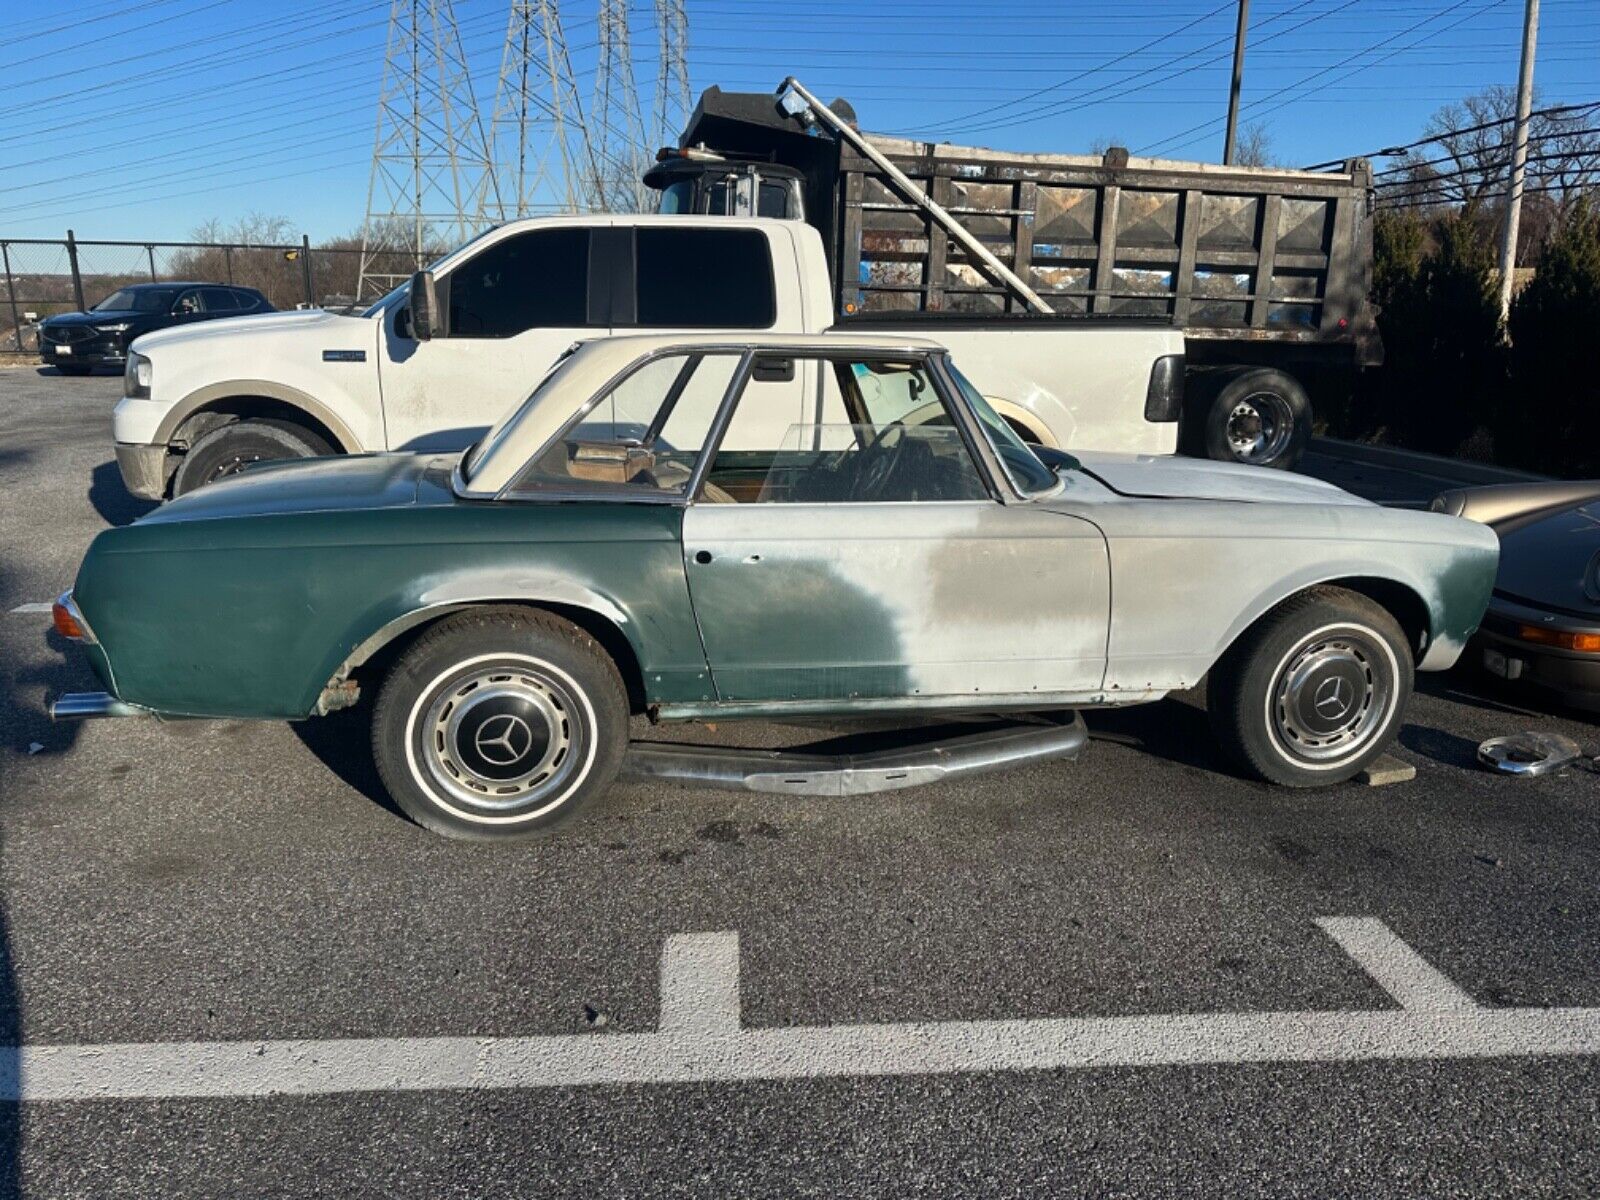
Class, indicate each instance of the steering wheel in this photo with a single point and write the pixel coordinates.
(874, 466)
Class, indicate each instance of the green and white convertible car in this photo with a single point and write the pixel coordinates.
(667, 526)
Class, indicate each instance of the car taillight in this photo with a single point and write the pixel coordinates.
(66, 621)
(1583, 643)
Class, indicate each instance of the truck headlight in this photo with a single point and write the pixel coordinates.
(136, 377)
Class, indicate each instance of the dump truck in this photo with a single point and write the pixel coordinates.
(1265, 271)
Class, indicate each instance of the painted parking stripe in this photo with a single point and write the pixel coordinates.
(700, 1040)
(1395, 966)
(43, 606)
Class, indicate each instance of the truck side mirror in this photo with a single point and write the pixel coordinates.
(424, 306)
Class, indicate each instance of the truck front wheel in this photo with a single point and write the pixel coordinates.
(231, 449)
(1261, 417)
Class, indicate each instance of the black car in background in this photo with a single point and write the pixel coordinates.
(78, 342)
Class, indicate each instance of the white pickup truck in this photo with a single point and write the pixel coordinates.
(204, 401)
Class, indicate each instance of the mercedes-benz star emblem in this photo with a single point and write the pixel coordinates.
(503, 739)
(1330, 698)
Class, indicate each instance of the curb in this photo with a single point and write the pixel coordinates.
(1454, 470)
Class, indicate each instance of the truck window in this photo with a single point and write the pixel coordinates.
(698, 278)
(534, 280)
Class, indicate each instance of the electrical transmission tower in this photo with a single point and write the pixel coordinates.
(672, 78)
(621, 149)
(432, 173)
(538, 132)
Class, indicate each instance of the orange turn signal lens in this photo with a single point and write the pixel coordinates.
(66, 624)
(1583, 643)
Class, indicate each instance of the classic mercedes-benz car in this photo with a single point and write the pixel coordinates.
(664, 528)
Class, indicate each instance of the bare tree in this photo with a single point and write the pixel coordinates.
(1254, 148)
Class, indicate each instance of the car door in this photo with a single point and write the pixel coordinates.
(510, 310)
(867, 560)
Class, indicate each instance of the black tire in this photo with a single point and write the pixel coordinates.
(228, 450)
(1261, 417)
(1271, 696)
(74, 369)
(499, 724)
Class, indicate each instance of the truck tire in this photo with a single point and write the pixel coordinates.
(499, 724)
(1314, 691)
(228, 450)
(1261, 417)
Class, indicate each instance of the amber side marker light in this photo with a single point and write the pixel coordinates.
(66, 624)
(1584, 643)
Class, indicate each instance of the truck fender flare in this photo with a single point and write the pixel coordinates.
(234, 389)
(1018, 415)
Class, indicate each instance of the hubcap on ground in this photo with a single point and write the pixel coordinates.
(1259, 427)
(1331, 696)
(501, 737)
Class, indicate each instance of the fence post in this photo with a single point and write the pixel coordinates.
(11, 295)
(77, 277)
(150, 253)
(227, 257)
(305, 268)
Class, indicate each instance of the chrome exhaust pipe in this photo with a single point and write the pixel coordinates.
(80, 706)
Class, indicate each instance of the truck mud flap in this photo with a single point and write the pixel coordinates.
(802, 774)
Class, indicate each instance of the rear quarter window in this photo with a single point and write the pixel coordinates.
(704, 278)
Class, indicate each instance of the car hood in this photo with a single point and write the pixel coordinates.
(311, 320)
(340, 484)
(1554, 562)
(1171, 477)
(98, 317)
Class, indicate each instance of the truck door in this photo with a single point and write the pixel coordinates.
(510, 310)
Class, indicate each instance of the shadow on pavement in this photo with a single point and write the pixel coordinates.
(1447, 748)
(342, 742)
(111, 498)
(10, 1068)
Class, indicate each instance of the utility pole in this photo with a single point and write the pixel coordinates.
(1230, 143)
(1519, 157)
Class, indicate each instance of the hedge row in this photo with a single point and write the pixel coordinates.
(1453, 381)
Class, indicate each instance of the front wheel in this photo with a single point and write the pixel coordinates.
(232, 448)
(1260, 417)
(1314, 691)
(499, 724)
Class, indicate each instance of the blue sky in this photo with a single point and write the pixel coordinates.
(144, 118)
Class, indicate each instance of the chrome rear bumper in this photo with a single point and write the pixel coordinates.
(79, 706)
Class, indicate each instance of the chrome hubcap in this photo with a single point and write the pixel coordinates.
(501, 737)
(1259, 427)
(1331, 696)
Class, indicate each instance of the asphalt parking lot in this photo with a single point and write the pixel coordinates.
(1135, 974)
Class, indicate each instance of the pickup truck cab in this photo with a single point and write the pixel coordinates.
(202, 403)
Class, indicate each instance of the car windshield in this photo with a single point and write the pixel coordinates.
(137, 300)
(473, 458)
(1031, 477)
(396, 293)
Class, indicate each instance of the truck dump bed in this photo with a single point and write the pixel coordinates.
(1223, 253)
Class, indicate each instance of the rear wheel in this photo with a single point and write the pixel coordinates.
(499, 724)
(232, 448)
(1260, 417)
(1314, 691)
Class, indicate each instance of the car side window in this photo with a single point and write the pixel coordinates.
(218, 300)
(245, 299)
(533, 280)
(882, 434)
(704, 278)
(642, 437)
(187, 302)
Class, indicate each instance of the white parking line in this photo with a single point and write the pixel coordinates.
(700, 1040)
(43, 606)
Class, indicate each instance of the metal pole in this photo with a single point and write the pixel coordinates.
(305, 267)
(227, 258)
(150, 253)
(1230, 142)
(77, 278)
(11, 295)
(1519, 158)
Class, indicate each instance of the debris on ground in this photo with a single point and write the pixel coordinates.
(1386, 769)
(1529, 753)
(35, 747)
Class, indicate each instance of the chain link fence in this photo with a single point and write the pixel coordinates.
(44, 277)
